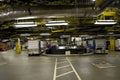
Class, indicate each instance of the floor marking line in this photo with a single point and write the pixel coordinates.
(62, 62)
(107, 67)
(63, 67)
(74, 69)
(54, 77)
(64, 74)
(111, 66)
(2, 64)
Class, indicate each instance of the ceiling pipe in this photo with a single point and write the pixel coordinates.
(105, 3)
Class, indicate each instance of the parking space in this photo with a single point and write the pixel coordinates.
(92, 67)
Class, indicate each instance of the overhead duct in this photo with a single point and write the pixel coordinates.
(21, 8)
(42, 13)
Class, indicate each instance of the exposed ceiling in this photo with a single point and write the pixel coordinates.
(81, 15)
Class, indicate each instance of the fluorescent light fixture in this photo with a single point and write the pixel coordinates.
(45, 34)
(30, 17)
(56, 24)
(20, 23)
(54, 16)
(62, 21)
(105, 22)
(25, 34)
(93, 0)
(25, 26)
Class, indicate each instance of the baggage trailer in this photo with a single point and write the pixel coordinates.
(33, 48)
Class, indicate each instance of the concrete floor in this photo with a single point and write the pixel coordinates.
(94, 67)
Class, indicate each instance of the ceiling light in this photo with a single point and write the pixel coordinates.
(54, 16)
(20, 23)
(25, 34)
(93, 0)
(105, 22)
(45, 34)
(56, 24)
(25, 26)
(30, 17)
(62, 21)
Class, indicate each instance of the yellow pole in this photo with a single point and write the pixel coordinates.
(18, 47)
(112, 45)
